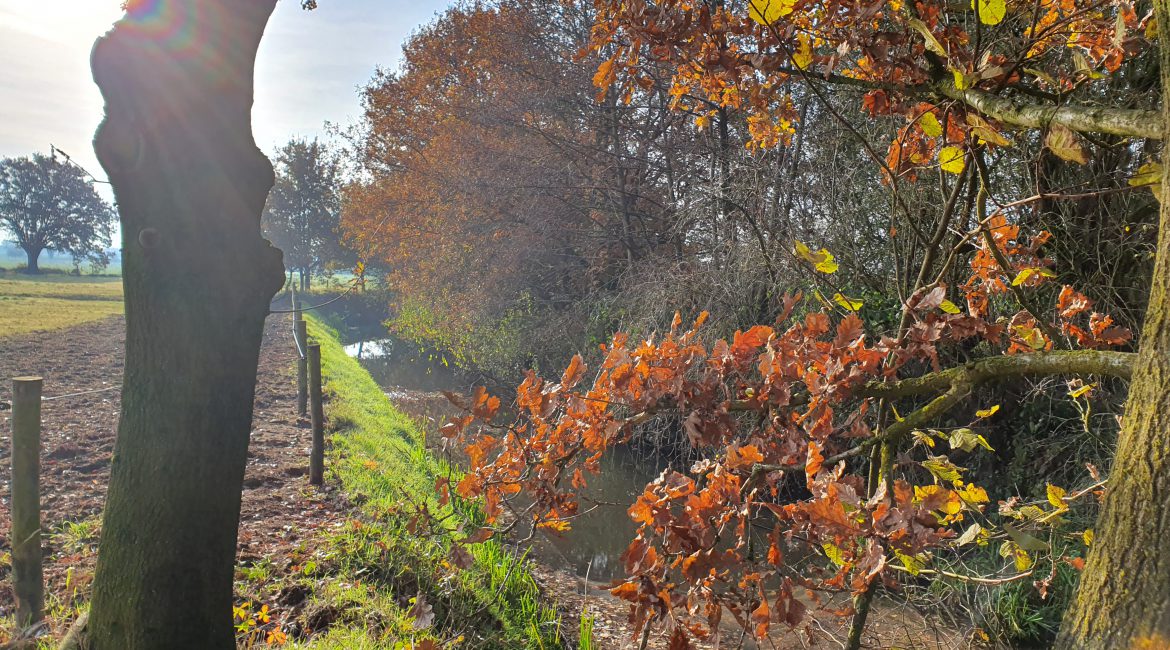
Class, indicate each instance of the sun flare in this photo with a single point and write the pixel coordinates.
(61, 20)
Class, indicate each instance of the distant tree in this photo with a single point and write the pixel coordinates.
(49, 204)
(304, 207)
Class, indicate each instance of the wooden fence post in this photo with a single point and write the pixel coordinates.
(317, 456)
(27, 572)
(301, 332)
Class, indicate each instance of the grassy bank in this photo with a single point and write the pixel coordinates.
(404, 546)
(48, 302)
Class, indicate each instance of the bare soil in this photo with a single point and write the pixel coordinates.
(82, 371)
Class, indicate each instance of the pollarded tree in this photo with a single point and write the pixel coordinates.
(190, 183)
(50, 204)
(304, 208)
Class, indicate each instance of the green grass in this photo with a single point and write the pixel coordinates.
(55, 301)
(377, 564)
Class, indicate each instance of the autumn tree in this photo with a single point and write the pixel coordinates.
(498, 192)
(846, 411)
(303, 213)
(190, 183)
(47, 203)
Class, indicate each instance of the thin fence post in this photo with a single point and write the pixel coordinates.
(317, 456)
(301, 332)
(28, 581)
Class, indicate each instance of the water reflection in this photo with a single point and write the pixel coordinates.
(598, 537)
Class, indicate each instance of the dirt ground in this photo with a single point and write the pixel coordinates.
(279, 510)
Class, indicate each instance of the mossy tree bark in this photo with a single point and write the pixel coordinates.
(177, 144)
(1123, 600)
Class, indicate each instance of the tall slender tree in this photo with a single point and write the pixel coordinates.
(303, 212)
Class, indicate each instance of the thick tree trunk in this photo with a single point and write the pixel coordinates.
(190, 182)
(34, 256)
(1123, 600)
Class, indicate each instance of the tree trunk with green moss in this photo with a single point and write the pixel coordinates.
(177, 144)
(1123, 600)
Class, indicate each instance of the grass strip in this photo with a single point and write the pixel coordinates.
(406, 544)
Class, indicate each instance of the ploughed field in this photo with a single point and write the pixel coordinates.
(280, 515)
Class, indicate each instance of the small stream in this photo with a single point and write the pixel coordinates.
(599, 536)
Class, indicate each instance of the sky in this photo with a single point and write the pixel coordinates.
(309, 69)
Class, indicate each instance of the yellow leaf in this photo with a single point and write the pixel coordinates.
(930, 125)
(559, 525)
(924, 438)
(833, 553)
(1152, 29)
(821, 260)
(1022, 277)
(1064, 143)
(766, 12)
(987, 412)
(953, 505)
(952, 159)
(961, 81)
(1033, 337)
(1081, 391)
(932, 43)
(949, 307)
(973, 494)
(850, 304)
(803, 57)
(991, 12)
(1088, 537)
(1023, 560)
(1056, 497)
(1147, 174)
(1082, 65)
(943, 469)
(914, 564)
(983, 130)
(1024, 274)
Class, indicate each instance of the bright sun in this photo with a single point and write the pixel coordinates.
(60, 20)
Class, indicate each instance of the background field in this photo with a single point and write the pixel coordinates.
(46, 302)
